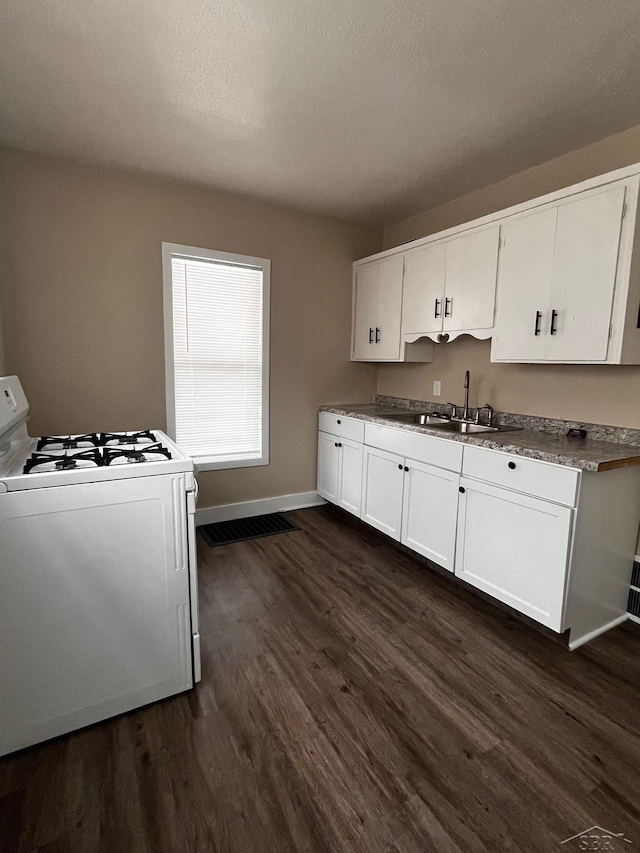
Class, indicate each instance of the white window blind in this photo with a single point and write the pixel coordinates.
(218, 343)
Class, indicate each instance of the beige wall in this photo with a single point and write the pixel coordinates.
(605, 394)
(82, 304)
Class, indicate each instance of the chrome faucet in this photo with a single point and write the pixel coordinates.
(465, 411)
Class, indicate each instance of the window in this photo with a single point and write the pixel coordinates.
(216, 308)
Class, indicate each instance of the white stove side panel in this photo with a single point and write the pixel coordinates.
(94, 604)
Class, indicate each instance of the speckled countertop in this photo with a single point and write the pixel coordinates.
(536, 440)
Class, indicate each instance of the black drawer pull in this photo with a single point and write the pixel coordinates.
(335, 444)
(338, 422)
(406, 468)
(512, 465)
(400, 467)
(462, 490)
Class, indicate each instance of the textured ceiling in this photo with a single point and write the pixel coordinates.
(368, 109)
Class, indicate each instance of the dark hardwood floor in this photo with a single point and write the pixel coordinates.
(352, 700)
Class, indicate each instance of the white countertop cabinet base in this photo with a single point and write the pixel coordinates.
(340, 471)
(429, 512)
(553, 542)
(382, 491)
(515, 548)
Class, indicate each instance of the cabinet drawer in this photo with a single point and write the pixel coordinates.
(422, 448)
(344, 427)
(553, 482)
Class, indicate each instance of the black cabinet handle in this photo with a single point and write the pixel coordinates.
(370, 336)
(538, 318)
(338, 422)
(512, 465)
(339, 444)
(335, 444)
(462, 490)
(436, 312)
(400, 467)
(406, 468)
(377, 335)
(554, 316)
(447, 303)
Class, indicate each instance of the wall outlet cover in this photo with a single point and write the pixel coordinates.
(437, 388)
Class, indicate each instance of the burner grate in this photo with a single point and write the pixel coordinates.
(64, 462)
(68, 442)
(115, 438)
(137, 454)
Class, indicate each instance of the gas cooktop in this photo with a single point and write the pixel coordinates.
(59, 459)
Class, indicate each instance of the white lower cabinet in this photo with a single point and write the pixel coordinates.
(351, 453)
(553, 542)
(516, 548)
(411, 502)
(340, 471)
(328, 467)
(382, 490)
(429, 512)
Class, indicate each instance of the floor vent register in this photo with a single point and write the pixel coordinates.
(633, 607)
(242, 529)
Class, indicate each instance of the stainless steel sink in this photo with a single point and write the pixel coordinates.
(416, 418)
(464, 427)
(445, 423)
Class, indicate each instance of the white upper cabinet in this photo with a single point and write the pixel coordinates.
(365, 311)
(377, 314)
(450, 286)
(524, 287)
(555, 279)
(585, 260)
(470, 286)
(423, 300)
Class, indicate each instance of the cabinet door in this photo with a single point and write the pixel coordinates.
(470, 287)
(382, 486)
(365, 308)
(389, 309)
(524, 287)
(514, 548)
(423, 293)
(328, 467)
(429, 514)
(351, 453)
(584, 273)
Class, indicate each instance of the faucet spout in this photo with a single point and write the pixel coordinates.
(465, 411)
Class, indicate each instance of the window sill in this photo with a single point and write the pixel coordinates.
(203, 463)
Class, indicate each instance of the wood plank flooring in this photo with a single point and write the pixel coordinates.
(352, 700)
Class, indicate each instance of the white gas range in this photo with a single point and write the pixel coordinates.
(98, 575)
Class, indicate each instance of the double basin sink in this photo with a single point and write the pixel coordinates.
(444, 423)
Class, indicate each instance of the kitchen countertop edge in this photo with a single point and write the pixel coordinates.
(590, 455)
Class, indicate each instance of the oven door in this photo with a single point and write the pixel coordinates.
(94, 603)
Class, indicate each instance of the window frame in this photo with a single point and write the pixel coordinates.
(213, 463)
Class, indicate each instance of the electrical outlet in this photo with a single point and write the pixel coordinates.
(437, 388)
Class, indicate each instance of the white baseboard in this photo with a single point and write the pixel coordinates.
(282, 503)
(634, 618)
(591, 635)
